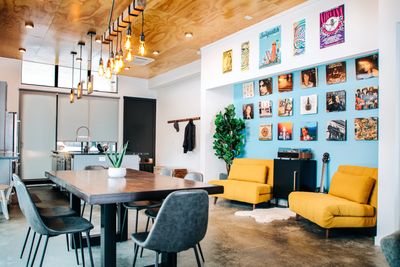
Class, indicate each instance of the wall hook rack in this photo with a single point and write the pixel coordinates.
(187, 119)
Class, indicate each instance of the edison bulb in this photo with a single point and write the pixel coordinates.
(128, 42)
(142, 49)
(129, 56)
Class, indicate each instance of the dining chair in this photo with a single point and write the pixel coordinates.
(180, 224)
(194, 176)
(91, 168)
(50, 227)
(166, 172)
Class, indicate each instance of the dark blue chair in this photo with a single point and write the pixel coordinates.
(50, 227)
(180, 224)
(391, 248)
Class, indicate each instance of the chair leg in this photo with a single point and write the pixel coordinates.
(215, 200)
(201, 252)
(197, 256)
(90, 248)
(36, 250)
(327, 233)
(156, 263)
(136, 221)
(30, 250)
(66, 237)
(91, 212)
(123, 223)
(76, 250)
(26, 239)
(147, 228)
(82, 251)
(134, 258)
(4, 204)
(83, 208)
(44, 250)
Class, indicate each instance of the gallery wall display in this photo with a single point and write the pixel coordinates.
(270, 47)
(244, 59)
(285, 82)
(332, 30)
(265, 133)
(336, 72)
(227, 61)
(299, 37)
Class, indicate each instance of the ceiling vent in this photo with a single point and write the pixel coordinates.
(142, 61)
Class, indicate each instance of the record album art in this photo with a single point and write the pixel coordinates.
(331, 24)
(265, 86)
(265, 108)
(308, 131)
(367, 98)
(366, 128)
(308, 104)
(309, 78)
(265, 132)
(285, 82)
(336, 130)
(285, 131)
(248, 111)
(248, 89)
(336, 73)
(336, 101)
(285, 107)
(367, 67)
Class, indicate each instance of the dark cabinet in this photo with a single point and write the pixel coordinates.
(294, 175)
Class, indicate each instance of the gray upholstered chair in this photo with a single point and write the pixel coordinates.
(91, 168)
(391, 248)
(180, 224)
(194, 176)
(166, 172)
(49, 227)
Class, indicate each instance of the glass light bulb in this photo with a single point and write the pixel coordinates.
(79, 91)
(121, 62)
(128, 42)
(101, 68)
(142, 49)
(129, 56)
(90, 84)
(108, 73)
(72, 96)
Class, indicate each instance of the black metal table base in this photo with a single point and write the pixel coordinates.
(167, 260)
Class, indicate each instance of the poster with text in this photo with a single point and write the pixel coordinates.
(270, 47)
(366, 128)
(299, 39)
(227, 61)
(308, 104)
(244, 62)
(265, 132)
(248, 89)
(331, 24)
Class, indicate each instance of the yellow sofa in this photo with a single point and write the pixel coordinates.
(249, 180)
(351, 201)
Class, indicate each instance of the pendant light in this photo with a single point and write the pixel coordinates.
(128, 42)
(116, 61)
(89, 71)
(142, 49)
(120, 54)
(109, 68)
(101, 63)
(80, 84)
(72, 94)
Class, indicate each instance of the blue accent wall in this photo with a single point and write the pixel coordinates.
(363, 153)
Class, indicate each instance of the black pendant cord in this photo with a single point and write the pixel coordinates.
(73, 70)
(120, 41)
(90, 56)
(80, 65)
(111, 12)
(142, 21)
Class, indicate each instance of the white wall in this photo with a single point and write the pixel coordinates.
(179, 100)
(389, 122)
(361, 22)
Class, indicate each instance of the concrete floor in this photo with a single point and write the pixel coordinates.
(230, 241)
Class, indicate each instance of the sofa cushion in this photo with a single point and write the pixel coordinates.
(351, 187)
(323, 209)
(248, 172)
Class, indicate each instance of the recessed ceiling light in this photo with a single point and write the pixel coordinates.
(198, 52)
(22, 50)
(247, 17)
(156, 52)
(98, 39)
(188, 35)
(29, 25)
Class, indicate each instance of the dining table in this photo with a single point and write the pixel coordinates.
(97, 188)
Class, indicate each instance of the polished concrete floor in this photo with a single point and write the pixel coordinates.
(230, 241)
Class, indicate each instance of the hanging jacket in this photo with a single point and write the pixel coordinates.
(189, 141)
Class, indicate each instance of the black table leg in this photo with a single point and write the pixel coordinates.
(108, 235)
(169, 259)
(121, 213)
(75, 204)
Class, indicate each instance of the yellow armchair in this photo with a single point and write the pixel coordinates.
(249, 180)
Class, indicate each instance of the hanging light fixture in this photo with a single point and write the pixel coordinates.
(116, 58)
(79, 88)
(101, 63)
(110, 66)
(142, 49)
(72, 94)
(120, 54)
(89, 71)
(128, 42)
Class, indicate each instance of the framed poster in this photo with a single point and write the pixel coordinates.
(309, 78)
(265, 132)
(366, 128)
(285, 130)
(308, 131)
(248, 89)
(244, 59)
(265, 108)
(227, 61)
(270, 44)
(285, 82)
(285, 107)
(299, 38)
(367, 98)
(336, 101)
(265, 86)
(367, 67)
(336, 130)
(248, 111)
(308, 104)
(336, 73)
(331, 23)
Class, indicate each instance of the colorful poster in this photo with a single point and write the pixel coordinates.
(270, 44)
(248, 111)
(308, 104)
(336, 130)
(308, 131)
(331, 24)
(367, 67)
(265, 86)
(366, 128)
(227, 61)
(265, 132)
(248, 89)
(367, 98)
(336, 73)
(244, 62)
(285, 130)
(299, 39)
(265, 108)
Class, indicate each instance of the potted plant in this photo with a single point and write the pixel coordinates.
(229, 137)
(116, 161)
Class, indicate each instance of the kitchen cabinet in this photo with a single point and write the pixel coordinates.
(294, 175)
(71, 117)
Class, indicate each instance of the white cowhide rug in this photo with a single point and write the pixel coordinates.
(267, 215)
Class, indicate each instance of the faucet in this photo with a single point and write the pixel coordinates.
(80, 137)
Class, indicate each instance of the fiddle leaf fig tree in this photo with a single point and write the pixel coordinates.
(229, 137)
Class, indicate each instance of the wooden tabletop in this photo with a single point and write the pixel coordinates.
(95, 187)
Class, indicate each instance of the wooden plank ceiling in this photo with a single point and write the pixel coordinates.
(60, 24)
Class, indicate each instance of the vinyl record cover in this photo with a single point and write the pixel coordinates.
(366, 128)
(367, 98)
(309, 78)
(308, 104)
(336, 101)
(285, 131)
(265, 86)
(336, 130)
(308, 131)
(336, 73)
(367, 67)
(265, 108)
(285, 107)
(248, 89)
(265, 132)
(285, 82)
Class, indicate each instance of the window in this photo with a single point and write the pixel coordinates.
(38, 73)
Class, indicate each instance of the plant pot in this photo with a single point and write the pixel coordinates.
(116, 172)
